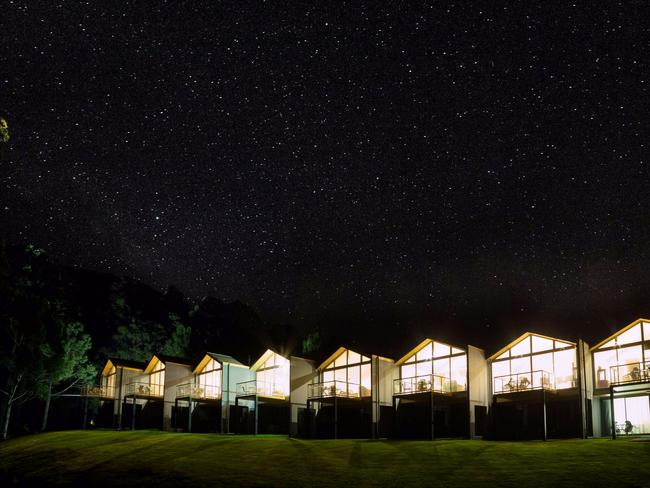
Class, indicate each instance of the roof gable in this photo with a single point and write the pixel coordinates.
(619, 332)
(523, 336)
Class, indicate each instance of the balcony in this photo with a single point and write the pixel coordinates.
(95, 391)
(330, 389)
(262, 388)
(630, 373)
(534, 380)
(426, 383)
(138, 389)
(198, 392)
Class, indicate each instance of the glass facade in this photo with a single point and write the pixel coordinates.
(208, 380)
(348, 375)
(535, 362)
(625, 358)
(157, 379)
(435, 367)
(108, 383)
(272, 377)
(632, 415)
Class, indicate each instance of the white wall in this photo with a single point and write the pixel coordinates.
(301, 373)
(175, 374)
(383, 373)
(478, 387)
(231, 374)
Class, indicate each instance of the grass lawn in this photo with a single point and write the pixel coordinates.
(152, 458)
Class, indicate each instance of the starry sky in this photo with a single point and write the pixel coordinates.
(471, 170)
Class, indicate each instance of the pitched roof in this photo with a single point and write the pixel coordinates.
(220, 358)
(122, 363)
(127, 363)
(422, 345)
(164, 358)
(521, 338)
(342, 349)
(619, 332)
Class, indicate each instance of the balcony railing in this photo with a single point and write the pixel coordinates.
(534, 380)
(145, 390)
(262, 388)
(198, 392)
(98, 391)
(630, 373)
(426, 383)
(335, 388)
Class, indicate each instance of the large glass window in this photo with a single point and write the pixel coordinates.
(157, 379)
(535, 362)
(272, 377)
(349, 375)
(208, 380)
(436, 366)
(625, 358)
(632, 415)
(108, 383)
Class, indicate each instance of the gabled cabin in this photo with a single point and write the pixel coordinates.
(115, 375)
(433, 397)
(204, 402)
(621, 375)
(538, 388)
(152, 395)
(352, 396)
(271, 402)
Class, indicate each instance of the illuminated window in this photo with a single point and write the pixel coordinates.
(272, 377)
(633, 414)
(108, 383)
(208, 380)
(348, 375)
(535, 362)
(435, 366)
(625, 358)
(157, 379)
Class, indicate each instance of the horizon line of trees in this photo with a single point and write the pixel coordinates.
(51, 344)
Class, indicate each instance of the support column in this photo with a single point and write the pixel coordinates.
(133, 415)
(307, 419)
(238, 413)
(189, 415)
(544, 433)
(257, 416)
(336, 418)
(394, 422)
(85, 413)
(611, 411)
(176, 415)
(433, 417)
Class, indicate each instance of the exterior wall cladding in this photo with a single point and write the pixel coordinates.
(535, 387)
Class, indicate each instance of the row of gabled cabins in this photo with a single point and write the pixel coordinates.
(535, 387)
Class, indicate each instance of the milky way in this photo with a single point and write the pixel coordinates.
(358, 163)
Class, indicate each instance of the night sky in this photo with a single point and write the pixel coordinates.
(466, 170)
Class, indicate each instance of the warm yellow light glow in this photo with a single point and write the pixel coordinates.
(623, 357)
(532, 362)
(272, 377)
(348, 374)
(433, 365)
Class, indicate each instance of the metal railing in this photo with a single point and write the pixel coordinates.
(426, 383)
(629, 373)
(262, 388)
(533, 380)
(145, 390)
(98, 391)
(336, 388)
(199, 392)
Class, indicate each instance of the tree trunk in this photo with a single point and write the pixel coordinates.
(46, 413)
(5, 422)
